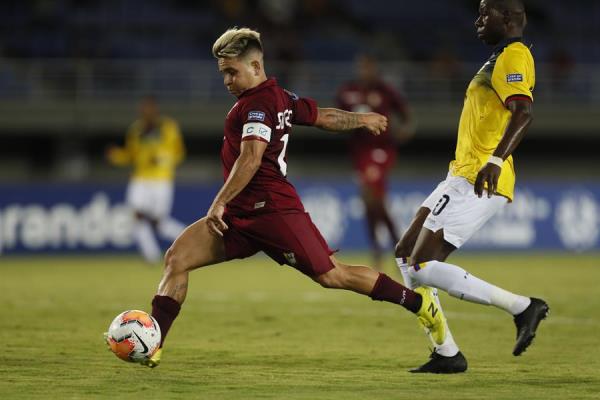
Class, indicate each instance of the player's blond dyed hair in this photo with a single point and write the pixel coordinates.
(236, 42)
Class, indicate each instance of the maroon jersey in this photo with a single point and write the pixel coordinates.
(377, 97)
(267, 113)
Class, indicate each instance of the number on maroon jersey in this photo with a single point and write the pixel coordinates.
(284, 119)
(281, 158)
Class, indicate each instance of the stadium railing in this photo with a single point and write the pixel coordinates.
(75, 92)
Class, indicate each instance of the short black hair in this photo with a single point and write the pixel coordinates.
(514, 10)
(512, 6)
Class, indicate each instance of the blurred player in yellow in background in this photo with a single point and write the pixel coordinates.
(153, 147)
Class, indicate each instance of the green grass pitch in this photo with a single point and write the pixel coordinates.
(253, 329)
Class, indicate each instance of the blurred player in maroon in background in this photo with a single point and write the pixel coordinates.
(374, 156)
(257, 208)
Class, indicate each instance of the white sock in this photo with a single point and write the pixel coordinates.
(147, 243)
(403, 266)
(170, 228)
(449, 347)
(461, 284)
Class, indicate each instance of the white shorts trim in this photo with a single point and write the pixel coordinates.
(457, 210)
(152, 198)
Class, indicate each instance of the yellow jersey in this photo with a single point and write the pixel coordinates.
(153, 153)
(508, 74)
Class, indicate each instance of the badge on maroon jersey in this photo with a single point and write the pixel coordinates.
(256, 116)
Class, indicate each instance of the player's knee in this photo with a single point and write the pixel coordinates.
(174, 262)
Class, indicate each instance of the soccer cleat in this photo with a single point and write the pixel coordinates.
(153, 361)
(527, 323)
(439, 364)
(431, 316)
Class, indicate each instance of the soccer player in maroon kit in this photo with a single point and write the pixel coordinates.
(373, 156)
(257, 208)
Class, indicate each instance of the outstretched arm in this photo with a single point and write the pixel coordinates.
(243, 170)
(522, 116)
(333, 119)
(122, 156)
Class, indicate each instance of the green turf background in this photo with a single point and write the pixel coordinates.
(253, 329)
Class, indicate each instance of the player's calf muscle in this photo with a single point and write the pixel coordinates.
(356, 278)
(175, 277)
(174, 287)
(329, 279)
(360, 279)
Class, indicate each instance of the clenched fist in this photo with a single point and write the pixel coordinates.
(374, 123)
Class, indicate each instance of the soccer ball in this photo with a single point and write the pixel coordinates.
(134, 336)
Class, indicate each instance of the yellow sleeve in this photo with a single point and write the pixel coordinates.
(514, 74)
(123, 156)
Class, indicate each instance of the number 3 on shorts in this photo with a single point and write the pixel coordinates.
(441, 204)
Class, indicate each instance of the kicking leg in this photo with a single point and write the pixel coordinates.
(378, 286)
(459, 283)
(194, 248)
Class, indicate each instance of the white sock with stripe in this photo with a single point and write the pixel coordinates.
(449, 347)
(459, 283)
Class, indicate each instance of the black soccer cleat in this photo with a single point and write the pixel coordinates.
(439, 364)
(527, 323)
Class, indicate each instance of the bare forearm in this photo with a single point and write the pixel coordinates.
(514, 133)
(333, 119)
(242, 172)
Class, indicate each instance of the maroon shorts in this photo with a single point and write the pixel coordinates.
(373, 166)
(288, 238)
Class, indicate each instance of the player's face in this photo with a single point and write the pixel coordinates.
(148, 109)
(366, 69)
(490, 24)
(238, 75)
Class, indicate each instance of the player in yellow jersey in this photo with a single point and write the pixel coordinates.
(153, 147)
(497, 112)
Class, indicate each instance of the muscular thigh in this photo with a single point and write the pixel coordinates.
(196, 247)
(290, 239)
